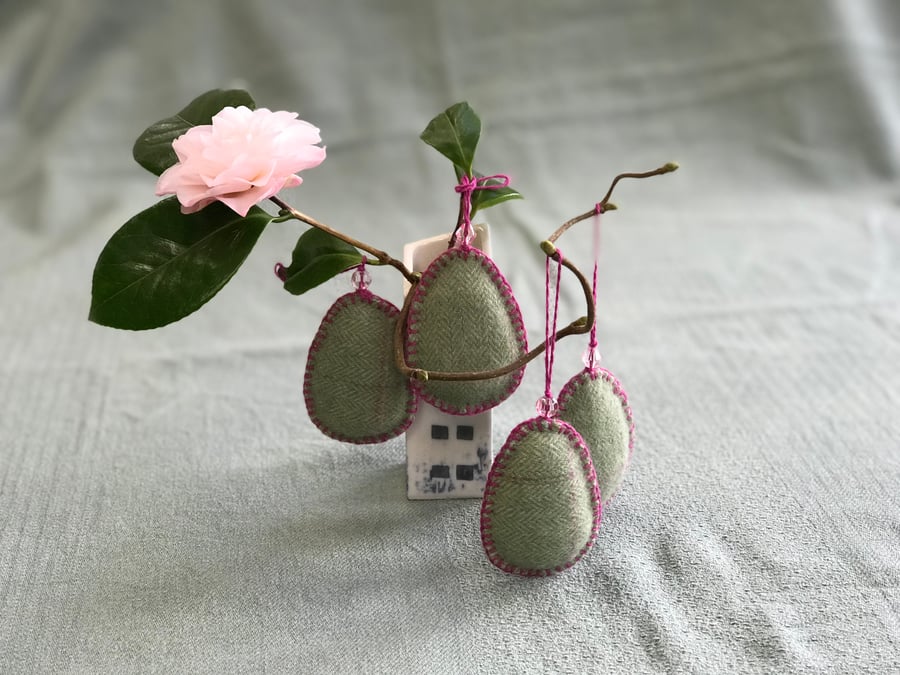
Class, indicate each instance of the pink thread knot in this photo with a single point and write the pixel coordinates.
(546, 405)
(467, 185)
(599, 208)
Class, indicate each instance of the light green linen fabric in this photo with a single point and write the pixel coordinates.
(166, 505)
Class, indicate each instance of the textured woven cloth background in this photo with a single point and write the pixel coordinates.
(167, 506)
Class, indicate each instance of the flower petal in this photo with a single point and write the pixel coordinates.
(242, 158)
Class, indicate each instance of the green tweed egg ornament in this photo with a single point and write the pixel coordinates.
(541, 507)
(594, 402)
(353, 390)
(464, 318)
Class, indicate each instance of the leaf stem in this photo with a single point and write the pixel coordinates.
(382, 257)
(604, 204)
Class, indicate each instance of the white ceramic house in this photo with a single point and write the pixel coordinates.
(447, 456)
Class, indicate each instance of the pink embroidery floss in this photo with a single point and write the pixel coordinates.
(594, 402)
(541, 508)
(546, 405)
(592, 353)
(466, 187)
(352, 388)
(463, 317)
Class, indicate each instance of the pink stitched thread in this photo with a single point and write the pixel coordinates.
(412, 400)
(412, 348)
(592, 354)
(467, 185)
(497, 470)
(602, 374)
(546, 405)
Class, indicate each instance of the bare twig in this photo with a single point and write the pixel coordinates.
(577, 327)
(381, 256)
(604, 205)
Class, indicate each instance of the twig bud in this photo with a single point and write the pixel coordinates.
(548, 247)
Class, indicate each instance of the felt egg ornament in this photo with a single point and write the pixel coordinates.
(463, 318)
(352, 387)
(594, 402)
(541, 507)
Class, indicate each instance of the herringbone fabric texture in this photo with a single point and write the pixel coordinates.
(541, 506)
(353, 390)
(595, 404)
(463, 318)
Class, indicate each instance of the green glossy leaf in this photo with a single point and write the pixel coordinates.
(455, 133)
(162, 265)
(483, 199)
(153, 148)
(318, 256)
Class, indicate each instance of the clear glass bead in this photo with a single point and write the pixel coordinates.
(546, 406)
(591, 358)
(361, 278)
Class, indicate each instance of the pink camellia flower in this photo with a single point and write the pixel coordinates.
(242, 158)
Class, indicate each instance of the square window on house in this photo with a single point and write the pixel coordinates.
(465, 432)
(440, 471)
(465, 472)
(440, 432)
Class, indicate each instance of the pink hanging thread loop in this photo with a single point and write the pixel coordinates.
(547, 405)
(592, 354)
(467, 185)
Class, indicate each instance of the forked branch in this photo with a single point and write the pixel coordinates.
(577, 327)
(604, 204)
